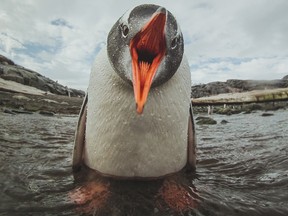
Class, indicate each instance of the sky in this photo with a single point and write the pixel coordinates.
(224, 39)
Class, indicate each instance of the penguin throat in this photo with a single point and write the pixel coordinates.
(149, 44)
(147, 49)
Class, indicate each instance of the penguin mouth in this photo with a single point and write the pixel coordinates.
(147, 49)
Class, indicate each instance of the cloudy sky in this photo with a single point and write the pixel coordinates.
(224, 39)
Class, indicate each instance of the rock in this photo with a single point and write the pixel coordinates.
(267, 114)
(205, 120)
(228, 110)
(234, 85)
(273, 107)
(32, 107)
(6, 61)
(49, 101)
(213, 88)
(64, 103)
(252, 107)
(247, 112)
(10, 71)
(200, 118)
(60, 104)
(20, 111)
(224, 121)
(9, 111)
(46, 113)
(21, 97)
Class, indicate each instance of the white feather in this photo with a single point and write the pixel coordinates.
(119, 141)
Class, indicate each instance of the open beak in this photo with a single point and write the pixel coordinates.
(147, 49)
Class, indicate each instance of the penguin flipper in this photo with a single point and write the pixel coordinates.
(79, 141)
(191, 161)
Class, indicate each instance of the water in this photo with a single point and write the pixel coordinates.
(242, 170)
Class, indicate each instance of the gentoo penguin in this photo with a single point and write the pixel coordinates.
(151, 148)
(143, 64)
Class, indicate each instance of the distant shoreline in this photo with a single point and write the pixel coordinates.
(22, 98)
(255, 96)
(45, 104)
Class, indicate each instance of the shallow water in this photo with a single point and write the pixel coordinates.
(242, 169)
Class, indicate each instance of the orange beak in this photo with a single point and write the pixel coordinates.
(147, 49)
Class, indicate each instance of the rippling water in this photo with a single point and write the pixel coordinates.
(242, 168)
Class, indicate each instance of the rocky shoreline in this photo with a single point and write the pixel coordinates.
(236, 86)
(13, 72)
(26, 91)
(15, 103)
(240, 96)
(244, 108)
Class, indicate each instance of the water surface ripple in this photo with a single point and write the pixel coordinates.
(242, 166)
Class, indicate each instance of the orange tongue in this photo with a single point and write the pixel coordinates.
(144, 68)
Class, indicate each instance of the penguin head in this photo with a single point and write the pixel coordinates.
(145, 47)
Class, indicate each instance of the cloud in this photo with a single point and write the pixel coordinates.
(61, 22)
(7, 43)
(239, 68)
(223, 39)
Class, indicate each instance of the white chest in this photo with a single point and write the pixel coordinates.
(121, 142)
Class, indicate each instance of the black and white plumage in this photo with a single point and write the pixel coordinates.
(144, 55)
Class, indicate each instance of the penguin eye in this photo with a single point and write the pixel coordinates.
(174, 42)
(125, 30)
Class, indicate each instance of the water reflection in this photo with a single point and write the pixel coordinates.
(173, 195)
